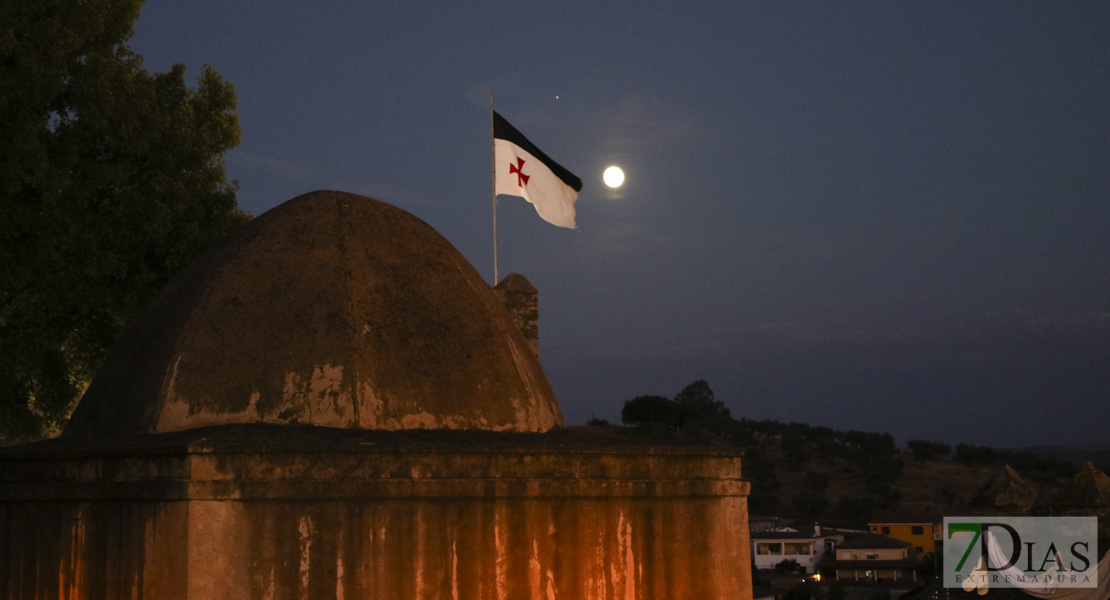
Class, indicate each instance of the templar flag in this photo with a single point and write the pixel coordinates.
(521, 169)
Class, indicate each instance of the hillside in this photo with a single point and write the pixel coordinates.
(850, 477)
(935, 487)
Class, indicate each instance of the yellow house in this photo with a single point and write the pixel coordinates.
(916, 529)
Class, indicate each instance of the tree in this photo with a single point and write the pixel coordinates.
(975, 455)
(698, 401)
(111, 180)
(926, 450)
(651, 409)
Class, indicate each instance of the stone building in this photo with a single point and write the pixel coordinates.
(331, 404)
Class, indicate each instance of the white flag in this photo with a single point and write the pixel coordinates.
(521, 169)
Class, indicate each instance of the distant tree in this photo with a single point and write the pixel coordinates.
(596, 422)
(651, 409)
(975, 455)
(698, 401)
(926, 450)
(111, 180)
(871, 444)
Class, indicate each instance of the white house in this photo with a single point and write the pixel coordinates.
(805, 544)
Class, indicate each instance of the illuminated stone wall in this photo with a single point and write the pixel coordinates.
(269, 512)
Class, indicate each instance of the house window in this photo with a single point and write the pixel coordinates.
(775, 548)
(918, 530)
(797, 549)
(873, 556)
(886, 531)
(919, 549)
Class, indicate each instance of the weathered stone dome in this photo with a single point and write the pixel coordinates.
(331, 309)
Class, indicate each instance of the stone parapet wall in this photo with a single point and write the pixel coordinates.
(278, 512)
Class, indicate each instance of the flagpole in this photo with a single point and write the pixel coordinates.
(493, 181)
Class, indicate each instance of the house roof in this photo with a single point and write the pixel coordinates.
(782, 535)
(904, 517)
(800, 532)
(872, 541)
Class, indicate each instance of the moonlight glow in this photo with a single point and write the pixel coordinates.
(613, 177)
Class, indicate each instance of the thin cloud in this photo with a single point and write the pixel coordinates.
(643, 121)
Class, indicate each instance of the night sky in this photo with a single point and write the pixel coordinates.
(883, 216)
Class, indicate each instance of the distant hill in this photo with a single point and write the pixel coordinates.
(1076, 454)
(848, 478)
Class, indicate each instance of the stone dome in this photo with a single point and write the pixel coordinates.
(331, 309)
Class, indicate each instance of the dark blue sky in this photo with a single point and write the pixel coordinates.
(886, 216)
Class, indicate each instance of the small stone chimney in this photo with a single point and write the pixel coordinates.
(521, 298)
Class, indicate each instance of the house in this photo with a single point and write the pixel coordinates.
(805, 544)
(916, 529)
(871, 558)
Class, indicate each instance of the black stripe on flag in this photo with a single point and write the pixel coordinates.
(502, 130)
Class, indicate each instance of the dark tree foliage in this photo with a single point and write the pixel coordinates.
(871, 444)
(698, 401)
(111, 180)
(975, 455)
(926, 450)
(695, 410)
(788, 567)
(651, 409)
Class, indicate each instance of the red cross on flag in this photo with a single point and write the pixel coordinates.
(521, 169)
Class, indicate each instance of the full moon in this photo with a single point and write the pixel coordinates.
(613, 177)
